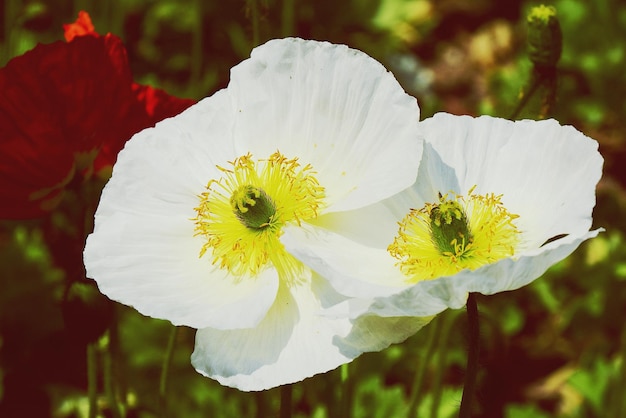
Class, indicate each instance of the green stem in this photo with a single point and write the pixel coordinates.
(121, 388)
(447, 319)
(285, 401)
(550, 82)
(167, 361)
(92, 379)
(431, 344)
(471, 372)
(536, 83)
(329, 383)
(109, 383)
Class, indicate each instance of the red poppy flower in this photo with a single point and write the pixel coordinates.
(66, 109)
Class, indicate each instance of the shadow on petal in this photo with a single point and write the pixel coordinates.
(225, 354)
(375, 333)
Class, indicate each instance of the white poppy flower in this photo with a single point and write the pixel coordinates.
(494, 205)
(188, 227)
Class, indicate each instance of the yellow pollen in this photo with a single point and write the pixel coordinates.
(454, 234)
(241, 214)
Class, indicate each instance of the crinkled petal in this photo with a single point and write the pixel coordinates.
(143, 251)
(294, 341)
(353, 269)
(362, 273)
(504, 275)
(434, 176)
(374, 225)
(496, 156)
(290, 344)
(375, 333)
(334, 108)
(148, 204)
(152, 105)
(546, 172)
(150, 263)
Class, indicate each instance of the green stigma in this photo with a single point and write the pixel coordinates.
(253, 207)
(449, 227)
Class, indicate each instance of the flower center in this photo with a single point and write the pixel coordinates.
(253, 207)
(453, 234)
(449, 229)
(242, 213)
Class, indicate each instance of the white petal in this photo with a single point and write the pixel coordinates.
(513, 273)
(333, 107)
(434, 176)
(366, 274)
(504, 275)
(375, 333)
(461, 152)
(353, 269)
(295, 341)
(346, 112)
(143, 251)
(180, 154)
(151, 263)
(291, 343)
(374, 225)
(547, 173)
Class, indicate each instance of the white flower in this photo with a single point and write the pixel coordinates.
(188, 227)
(494, 205)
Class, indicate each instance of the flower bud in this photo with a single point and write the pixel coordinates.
(545, 40)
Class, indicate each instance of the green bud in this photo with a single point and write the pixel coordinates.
(545, 40)
(253, 207)
(449, 227)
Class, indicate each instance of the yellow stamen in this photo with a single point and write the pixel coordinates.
(456, 233)
(242, 213)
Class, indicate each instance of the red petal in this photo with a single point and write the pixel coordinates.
(56, 102)
(81, 27)
(158, 104)
(154, 105)
(63, 105)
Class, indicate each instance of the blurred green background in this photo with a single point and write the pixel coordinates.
(555, 348)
